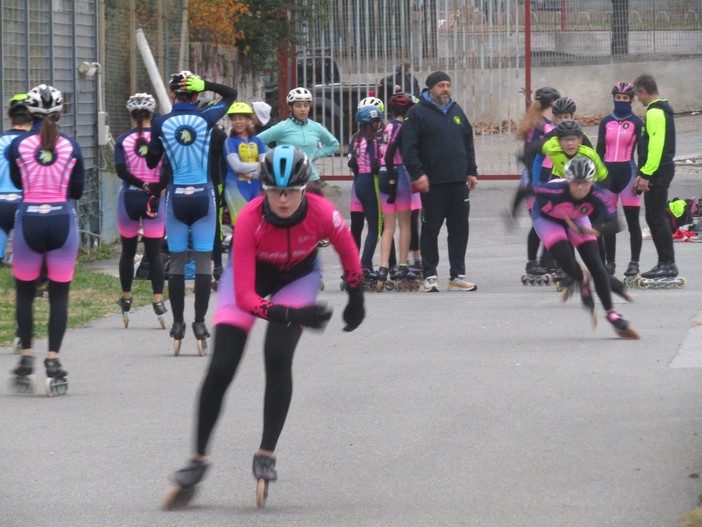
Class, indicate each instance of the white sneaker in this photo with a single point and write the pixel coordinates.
(459, 283)
(430, 284)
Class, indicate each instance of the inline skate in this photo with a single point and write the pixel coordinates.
(536, 275)
(177, 333)
(662, 276)
(201, 334)
(23, 381)
(370, 280)
(185, 481)
(586, 296)
(406, 280)
(383, 281)
(631, 274)
(264, 471)
(621, 326)
(160, 311)
(56, 382)
(619, 289)
(125, 304)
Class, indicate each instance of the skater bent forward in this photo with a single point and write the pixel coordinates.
(274, 254)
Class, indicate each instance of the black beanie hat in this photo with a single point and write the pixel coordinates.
(435, 78)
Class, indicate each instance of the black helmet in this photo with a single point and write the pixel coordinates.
(546, 95)
(579, 168)
(285, 166)
(18, 106)
(568, 127)
(563, 105)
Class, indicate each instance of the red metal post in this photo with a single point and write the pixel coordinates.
(563, 15)
(527, 52)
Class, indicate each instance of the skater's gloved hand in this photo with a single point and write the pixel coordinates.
(392, 194)
(354, 312)
(154, 188)
(152, 206)
(316, 316)
(195, 83)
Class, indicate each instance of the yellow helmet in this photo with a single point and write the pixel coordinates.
(240, 108)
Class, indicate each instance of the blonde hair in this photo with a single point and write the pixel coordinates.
(533, 118)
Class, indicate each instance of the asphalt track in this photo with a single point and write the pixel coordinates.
(502, 407)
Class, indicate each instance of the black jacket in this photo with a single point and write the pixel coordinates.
(437, 144)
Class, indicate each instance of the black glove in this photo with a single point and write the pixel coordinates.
(392, 194)
(152, 204)
(354, 312)
(155, 189)
(316, 316)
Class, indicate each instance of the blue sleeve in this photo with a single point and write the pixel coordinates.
(11, 154)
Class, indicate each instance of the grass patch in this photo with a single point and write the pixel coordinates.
(92, 296)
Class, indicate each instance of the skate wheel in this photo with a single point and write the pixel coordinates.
(162, 321)
(629, 333)
(202, 347)
(176, 347)
(23, 385)
(55, 387)
(682, 282)
(261, 493)
(178, 497)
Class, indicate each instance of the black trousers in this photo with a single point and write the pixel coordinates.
(448, 202)
(656, 201)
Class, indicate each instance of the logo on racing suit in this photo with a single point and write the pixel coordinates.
(44, 157)
(188, 190)
(457, 120)
(42, 209)
(10, 197)
(185, 135)
(142, 150)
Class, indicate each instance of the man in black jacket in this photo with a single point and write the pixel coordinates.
(437, 148)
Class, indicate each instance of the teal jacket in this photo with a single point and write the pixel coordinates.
(312, 138)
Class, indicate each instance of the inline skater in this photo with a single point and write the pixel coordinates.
(244, 153)
(266, 264)
(536, 123)
(48, 167)
(307, 134)
(185, 135)
(617, 139)
(366, 161)
(10, 195)
(138, 206)
(396, 198)
(560, 214)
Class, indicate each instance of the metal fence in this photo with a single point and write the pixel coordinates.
(44, 41)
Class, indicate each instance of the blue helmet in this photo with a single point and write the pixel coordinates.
(285, 166)
(369, 114)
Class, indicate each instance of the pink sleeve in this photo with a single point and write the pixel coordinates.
(244, 264)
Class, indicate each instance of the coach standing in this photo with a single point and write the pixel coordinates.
(438, 151)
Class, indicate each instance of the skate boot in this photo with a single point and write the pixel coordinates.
(370, 279)
(662, 276)
(383, 282)
(416, 268)
(201, 334)
(621, 326)
(216, 275)
(342, 284)
(407, 280)
(564, 284)
(160, 310)
(264, 471)
(618, 288)
(177, 332)
(185, 481)
(611, 267)
(631, 274)
(56, 382)
(586, 296)
(536, 275)
(126, 305)
(17, 348)
(23, 382)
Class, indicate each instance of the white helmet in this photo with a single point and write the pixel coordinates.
(44, 100)
(141, 101)
(299, 95)
(371, 101)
